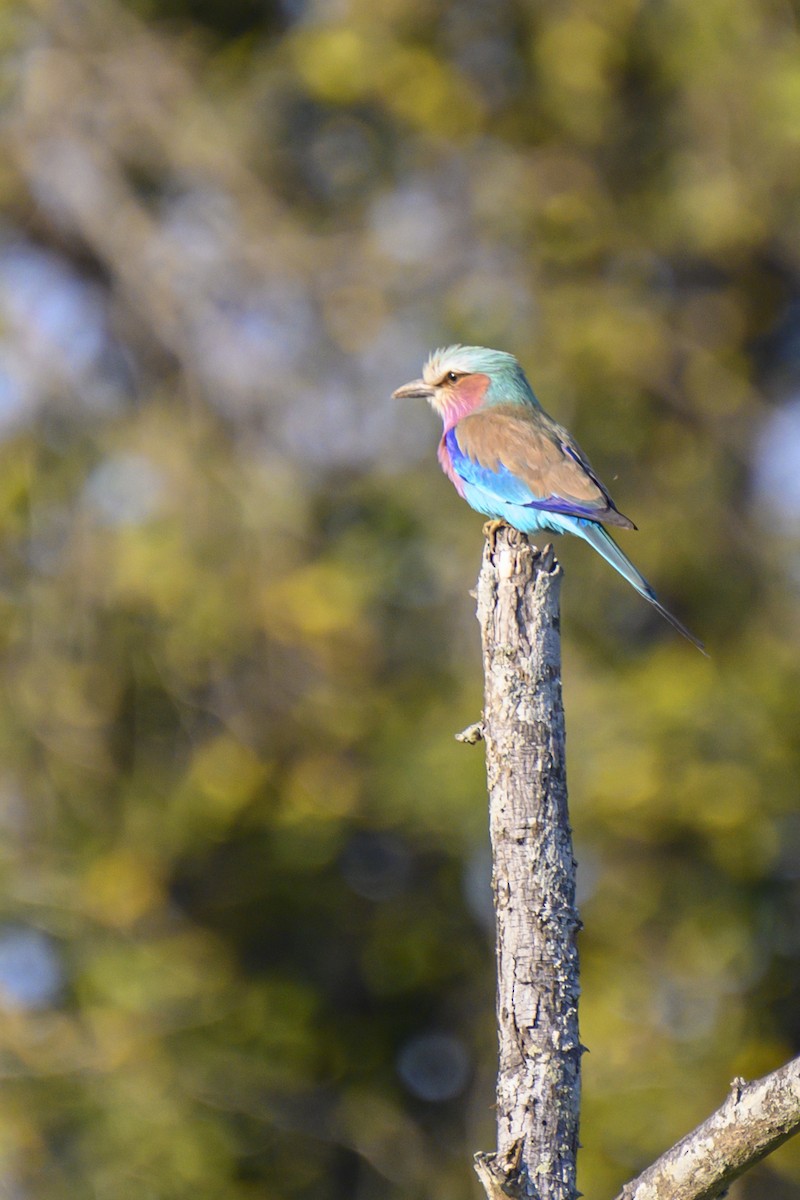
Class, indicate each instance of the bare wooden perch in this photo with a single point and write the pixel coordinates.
(538, 1083)
(755, 1119)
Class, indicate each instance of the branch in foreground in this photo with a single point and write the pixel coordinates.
(754, 1120)
(538, 1082)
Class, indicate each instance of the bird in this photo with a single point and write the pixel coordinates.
(513, 463)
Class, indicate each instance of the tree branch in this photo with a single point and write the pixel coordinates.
(538, 1083)
(754, 1120)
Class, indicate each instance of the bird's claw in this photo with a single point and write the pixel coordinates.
(491, 530)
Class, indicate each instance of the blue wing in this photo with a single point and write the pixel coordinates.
(497, 486)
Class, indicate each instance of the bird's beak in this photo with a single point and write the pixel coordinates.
(416, 390)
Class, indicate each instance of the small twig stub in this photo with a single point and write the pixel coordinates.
(472, 734)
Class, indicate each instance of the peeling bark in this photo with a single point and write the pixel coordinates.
(538, 1084)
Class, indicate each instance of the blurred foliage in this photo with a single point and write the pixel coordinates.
(245, 934)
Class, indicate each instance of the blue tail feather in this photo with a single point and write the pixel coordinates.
(532, 520)
(605, 545)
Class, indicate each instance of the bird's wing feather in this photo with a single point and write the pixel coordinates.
(523, 457)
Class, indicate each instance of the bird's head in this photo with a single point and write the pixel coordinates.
(459, 380)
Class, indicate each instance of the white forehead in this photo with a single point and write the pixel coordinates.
(448, 358)
(468, 359)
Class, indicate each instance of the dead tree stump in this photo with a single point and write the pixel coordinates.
(538, 1082)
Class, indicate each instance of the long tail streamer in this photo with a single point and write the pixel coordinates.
(605, 545)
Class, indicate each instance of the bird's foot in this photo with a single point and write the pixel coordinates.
(491, 530)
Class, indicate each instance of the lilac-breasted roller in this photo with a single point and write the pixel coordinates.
(514, 463)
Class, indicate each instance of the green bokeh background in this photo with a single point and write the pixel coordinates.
(245, 939)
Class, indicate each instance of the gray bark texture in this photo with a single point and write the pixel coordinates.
(538, 1083)
(754, 1120)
